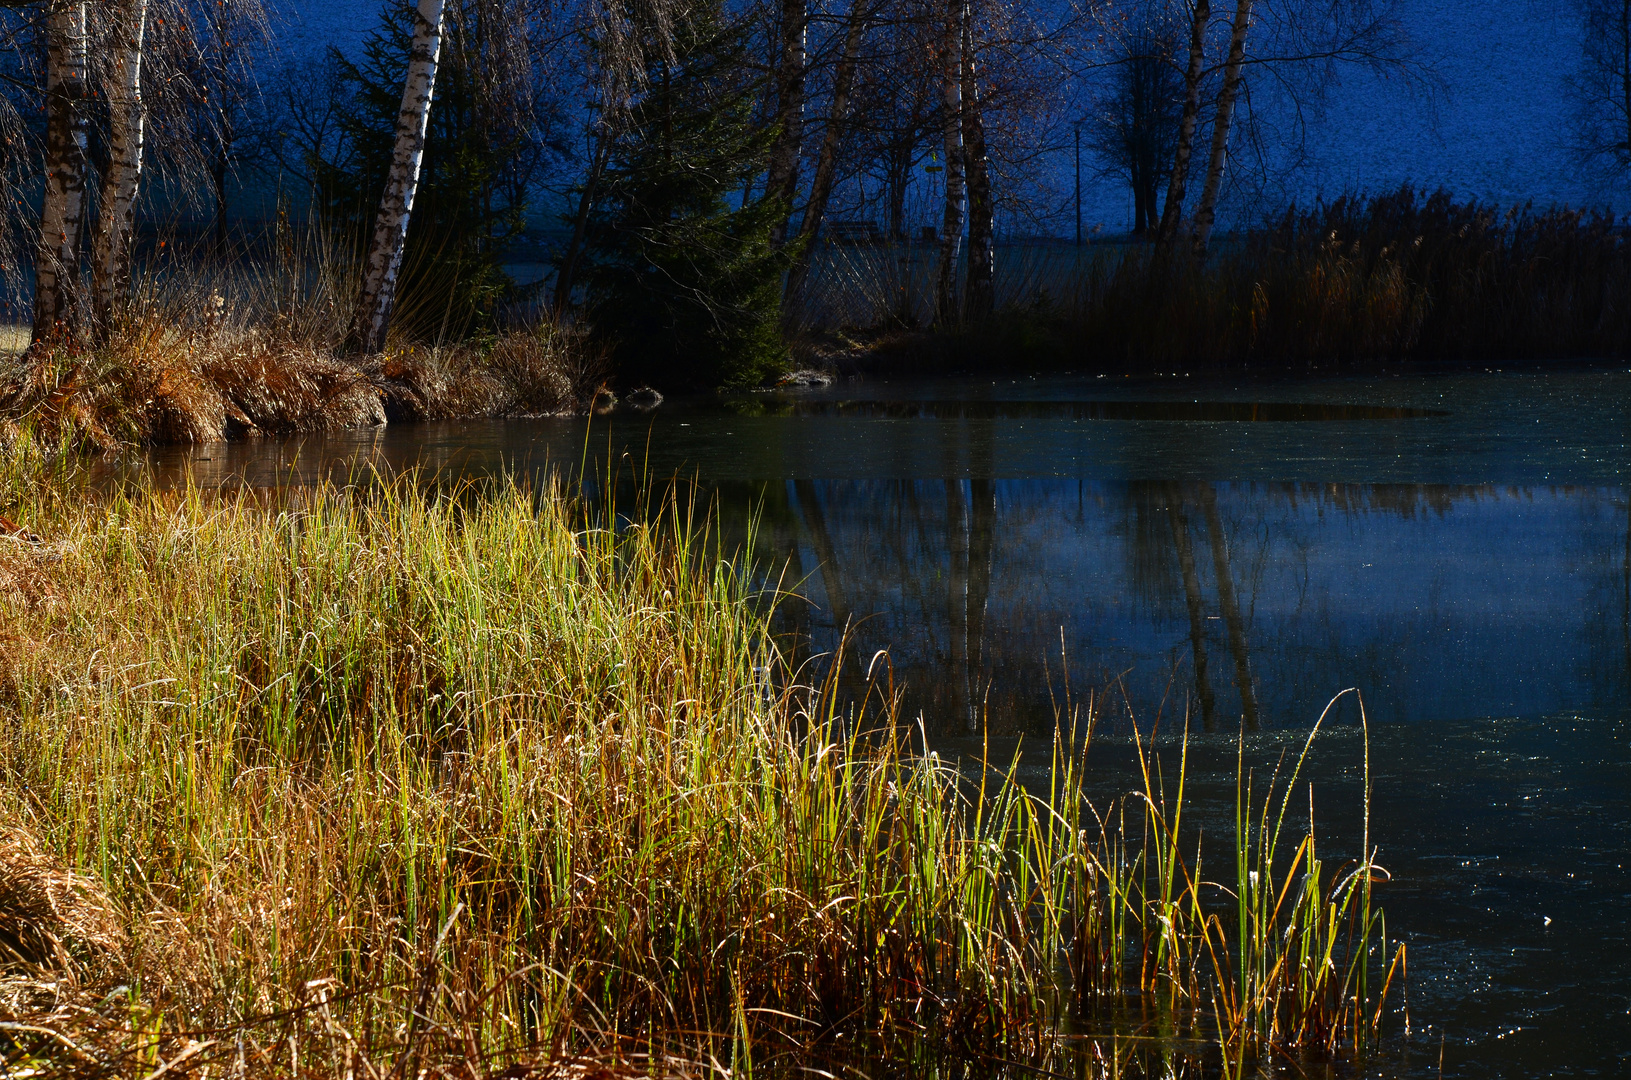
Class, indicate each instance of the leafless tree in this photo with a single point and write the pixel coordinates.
(792, 31)
(1600, 90)
(898, 103)
(832, 141)
(226, 113)
(1137, 124)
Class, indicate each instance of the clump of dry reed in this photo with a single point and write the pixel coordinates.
(254, 343)
(156, 383)
(392, 778)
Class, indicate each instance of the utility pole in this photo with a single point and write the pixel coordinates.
(1078, 183)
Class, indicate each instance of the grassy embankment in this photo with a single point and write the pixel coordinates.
(255, 343)
(359, 782)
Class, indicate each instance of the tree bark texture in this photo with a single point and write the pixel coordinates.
(951, 128)
(62, 218)
(1206, 211)
(1173, 211)
(791, 68)
(384, 263)
(979, 291)
(832, 139)
(127, 124)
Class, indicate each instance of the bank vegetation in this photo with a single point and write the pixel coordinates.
(372, 780)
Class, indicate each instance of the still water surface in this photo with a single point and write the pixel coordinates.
(1458, 547)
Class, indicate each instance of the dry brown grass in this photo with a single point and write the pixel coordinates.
(157, 382)
(51, 918)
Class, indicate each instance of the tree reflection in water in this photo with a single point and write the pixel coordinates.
(1437, 601)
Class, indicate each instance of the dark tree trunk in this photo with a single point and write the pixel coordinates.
(580, 224)
(815, 211)
(782, 182)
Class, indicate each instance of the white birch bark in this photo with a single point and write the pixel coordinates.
(951, 124)
(979, 291)
(127, 122)
(791, 68)
(1173, 211)
(384, 262)
(1206, 211)
(62, 218)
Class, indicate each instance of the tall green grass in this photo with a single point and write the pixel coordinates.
(396, 777)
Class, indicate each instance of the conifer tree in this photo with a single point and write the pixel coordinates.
(684, 282)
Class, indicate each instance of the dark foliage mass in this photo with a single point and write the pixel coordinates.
(684, 282)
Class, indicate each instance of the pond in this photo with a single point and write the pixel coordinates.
(1455, 546)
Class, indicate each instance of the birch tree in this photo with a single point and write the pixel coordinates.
(951, 127)
(1194, 70)
(384, 262)
(826, 171)
(62, 218)
(127, 119)
(1206, 211)
(979, 296)
(791, 72)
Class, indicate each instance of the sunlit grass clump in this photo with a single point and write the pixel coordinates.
(351, 780)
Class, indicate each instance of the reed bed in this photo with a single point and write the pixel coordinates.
(1357, 282)
(1402, 277)
(399, 779)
